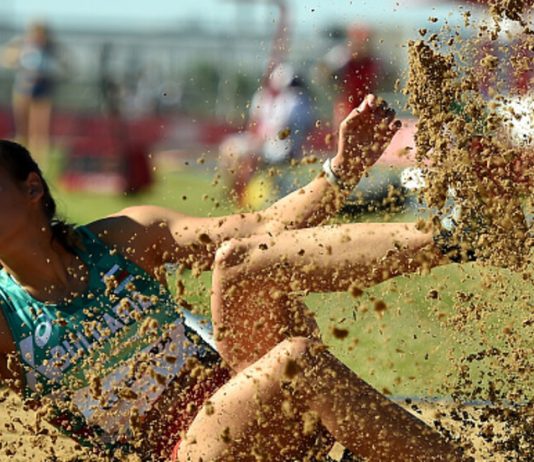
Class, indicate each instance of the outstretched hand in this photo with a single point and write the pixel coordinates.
(363, 136)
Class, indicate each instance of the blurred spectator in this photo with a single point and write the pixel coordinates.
(37, 63)
(353, 68)
(281, 117)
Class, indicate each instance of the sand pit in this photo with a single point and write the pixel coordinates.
(20, 443)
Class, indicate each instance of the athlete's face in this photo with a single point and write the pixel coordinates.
(38, 34)
(18, 202)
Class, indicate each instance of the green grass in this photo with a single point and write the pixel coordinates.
(415, 346)
(181, 190)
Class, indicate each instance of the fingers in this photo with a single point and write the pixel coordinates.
(365, 108)
(382, 105)
(371, 100)
(374, 109)
(379, 108)
(396, 125)
(389, 113)
(384, 111)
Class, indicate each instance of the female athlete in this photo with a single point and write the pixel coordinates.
(88, 327)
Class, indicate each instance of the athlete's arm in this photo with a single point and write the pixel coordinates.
(155, 235)
(363, 136)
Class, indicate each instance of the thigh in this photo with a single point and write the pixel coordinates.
(255, 280)
(330, 258)
(175, 409)
(253, 416)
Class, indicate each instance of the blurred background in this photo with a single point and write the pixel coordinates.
(132, 93)
(206, 55)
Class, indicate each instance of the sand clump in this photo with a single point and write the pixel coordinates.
(462, 141)
(464, 103)
(514, 10)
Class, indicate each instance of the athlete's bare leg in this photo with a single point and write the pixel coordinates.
(253, 313)
(255, 280)
(267, 412)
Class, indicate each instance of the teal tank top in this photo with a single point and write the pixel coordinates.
(111, 350)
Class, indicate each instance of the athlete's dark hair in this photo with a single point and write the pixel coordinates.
(18, 163)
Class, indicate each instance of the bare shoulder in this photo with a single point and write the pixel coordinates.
(140, 232)
(143, 222)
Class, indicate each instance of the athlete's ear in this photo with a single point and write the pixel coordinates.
(34, 186)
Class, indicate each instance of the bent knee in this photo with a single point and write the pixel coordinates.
(235, 252)
(297, 349)
(231, 253)
(190, 450)
(195, 449)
